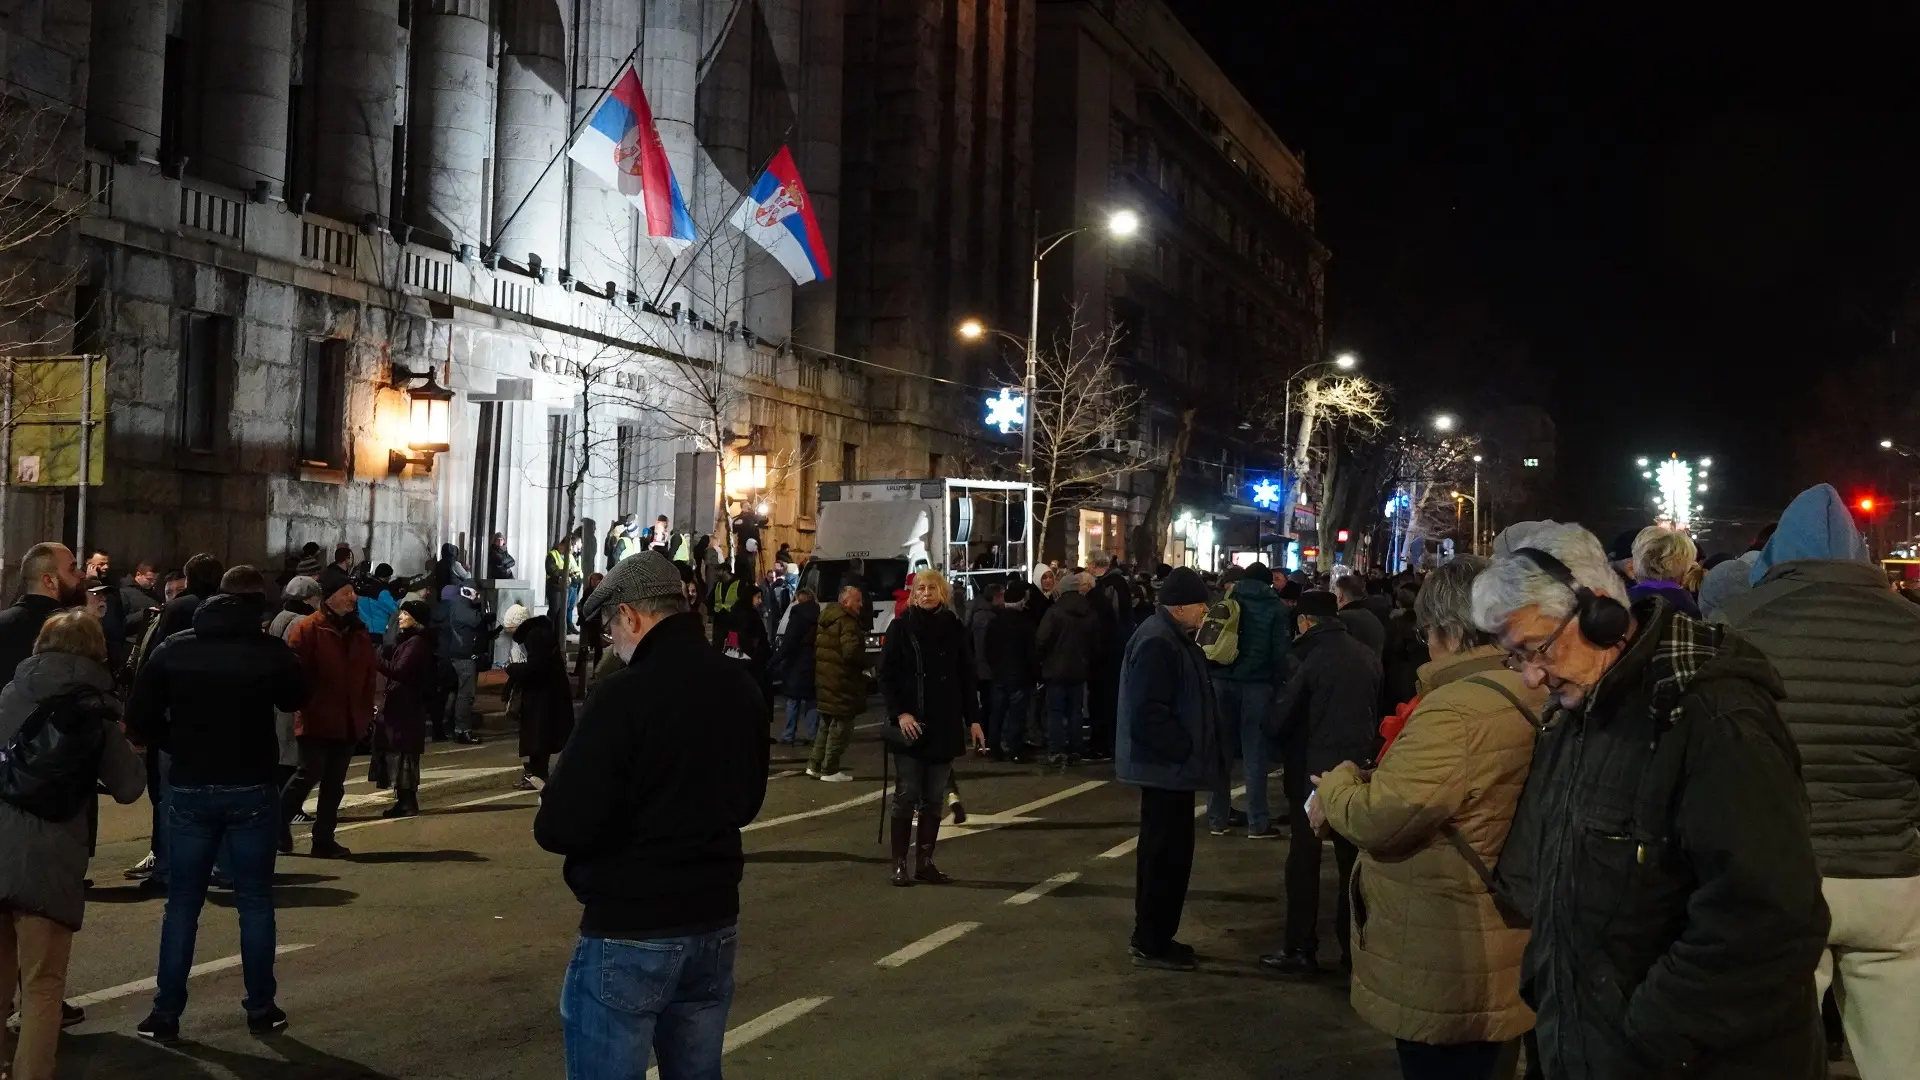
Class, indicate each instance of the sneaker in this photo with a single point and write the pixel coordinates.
(813, 772)
(143, 867)
(1173, 959)
(525, 784)
(1292, 964)
(1268, 833)
(158, 1028)
(466, 738)
(71, 1015)
(1237, 819)
(330, 851)
(1218, 830)
(841, 777)
(219, 880)
(267, 1023)
(301, 817)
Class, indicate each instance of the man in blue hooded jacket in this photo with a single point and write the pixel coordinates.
(1848, 650)
(1244, 691)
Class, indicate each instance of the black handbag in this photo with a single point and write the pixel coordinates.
(51, 766)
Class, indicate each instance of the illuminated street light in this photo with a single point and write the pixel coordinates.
(1443, 423)
(1642, 463)
(1346, 361)
(1706, 462)
(1886, 444)
(1123, 223)
(971, 329)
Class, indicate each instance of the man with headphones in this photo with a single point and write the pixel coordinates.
(1661, 847)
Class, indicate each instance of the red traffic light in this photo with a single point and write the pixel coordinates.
(1866, 504)
(1343, 536)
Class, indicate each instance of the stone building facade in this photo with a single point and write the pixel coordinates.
(291, 206)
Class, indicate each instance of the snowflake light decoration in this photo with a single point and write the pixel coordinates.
(1266, 494)
(1006, 411)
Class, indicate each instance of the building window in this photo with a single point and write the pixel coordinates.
(323, 394)
(809, 489)
(486, 487)
(1530, 463)
(627, 469)
(207, 351)
(937, 465)
(849, 461)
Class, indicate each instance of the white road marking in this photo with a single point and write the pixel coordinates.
(1125, 847)
(150, 982)
(871, 796)
(977, 823)
(783, 773)
(763, 1024)
(429, 778)
(926, 945)
(1043, 888)
(483, 801)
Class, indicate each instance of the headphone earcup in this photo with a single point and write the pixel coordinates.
(1603, 620)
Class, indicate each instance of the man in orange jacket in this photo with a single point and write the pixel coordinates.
(336, 655)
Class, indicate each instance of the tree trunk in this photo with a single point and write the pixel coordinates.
(1151, 539)
(1308, 414)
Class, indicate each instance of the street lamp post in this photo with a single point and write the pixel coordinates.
(1120, 225)
(1346, 361)
(1476, 504)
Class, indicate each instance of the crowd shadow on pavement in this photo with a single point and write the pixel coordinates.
(116, 1055)
(416, 857)
(790, 856)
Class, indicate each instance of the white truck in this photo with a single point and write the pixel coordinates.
(877, 533)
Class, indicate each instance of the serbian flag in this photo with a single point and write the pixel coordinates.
(620, 145)
(778, 216)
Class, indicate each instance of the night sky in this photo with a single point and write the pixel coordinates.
(1697, 236)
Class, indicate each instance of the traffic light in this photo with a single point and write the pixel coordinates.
(1343, 536)
(1866, 503)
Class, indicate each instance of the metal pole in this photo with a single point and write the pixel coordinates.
(1476, 508)
(1286, 465)
(1033, 344)
(6, 462)
(86, 454)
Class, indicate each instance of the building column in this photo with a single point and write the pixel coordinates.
(817, 152)
(128, 73)
(530, 130)
(448, 133)
(249, 45)
(600, 221)
(353, 162)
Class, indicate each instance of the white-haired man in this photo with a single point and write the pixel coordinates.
(1661, 847)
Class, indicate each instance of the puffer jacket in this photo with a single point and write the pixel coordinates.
(1069, 640)
(1266, 641)
(839, 663)
(1848, 650)
(43, 864)
(1433, 959)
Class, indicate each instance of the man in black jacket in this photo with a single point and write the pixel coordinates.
(1661, 847)
(1014, 661)
(49, 581)
(202, 580)
(667, 764)
(207, 697)
(1350, 591)
(1328, 713)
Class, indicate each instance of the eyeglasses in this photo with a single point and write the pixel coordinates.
(1521, 659)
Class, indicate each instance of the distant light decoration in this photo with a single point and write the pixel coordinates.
(1267, 494)
(1673, 480)
(1006, 411)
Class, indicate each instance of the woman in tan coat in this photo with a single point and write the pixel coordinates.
(1435, 964)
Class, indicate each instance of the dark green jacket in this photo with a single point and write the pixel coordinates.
(839, 663)
(1848, 650)
(1661, 851)
(1266, 639)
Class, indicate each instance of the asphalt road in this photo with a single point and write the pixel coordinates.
(437, 949)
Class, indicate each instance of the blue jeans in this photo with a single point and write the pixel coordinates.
(1243, 724)
(669, 997)
(573, 598)
(1007, 723)
(1066, 703)
(199, 821)
(797, 707)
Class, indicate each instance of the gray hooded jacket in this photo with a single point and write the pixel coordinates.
(43, 864)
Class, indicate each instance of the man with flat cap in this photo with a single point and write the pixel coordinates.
(667, 763)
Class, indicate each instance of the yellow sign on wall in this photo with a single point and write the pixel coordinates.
(45, 399)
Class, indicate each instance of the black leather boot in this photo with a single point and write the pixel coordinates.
(925, 870)
(902, 839)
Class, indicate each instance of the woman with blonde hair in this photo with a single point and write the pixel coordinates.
(1663, 560)
(926, 673)
(64, 686)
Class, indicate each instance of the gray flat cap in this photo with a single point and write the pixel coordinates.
(638, 577)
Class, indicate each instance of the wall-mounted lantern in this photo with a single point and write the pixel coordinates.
(429, 423)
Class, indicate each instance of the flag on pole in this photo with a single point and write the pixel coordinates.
(778, 216)
(620, 145)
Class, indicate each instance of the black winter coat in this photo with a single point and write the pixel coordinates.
(793, 658)
(1366, 628)
(1011, 653)
(667, 765)
(19, 626)
(1661, 850)
(1070, 640)
(1330, 709)
(539, 684)
(208, 696)
(926, 671)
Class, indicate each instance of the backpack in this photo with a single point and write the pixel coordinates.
(51, 765)
(1220, 634)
